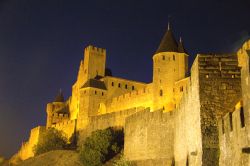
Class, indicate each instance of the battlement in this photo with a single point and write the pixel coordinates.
(60, 115)
(136, 98)
(233, 136)
(222, 66)
(64, 123)
(91, 48)
(67, 127)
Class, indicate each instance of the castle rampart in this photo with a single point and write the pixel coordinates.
(114, 119)
(137, 98)
(67, 127)
(187, 138)
(149, 137)
(26, 151)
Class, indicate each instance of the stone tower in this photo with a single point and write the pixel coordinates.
(91, 67)
(56, 110)
(94, 62)
(169, 65)
(92, 91)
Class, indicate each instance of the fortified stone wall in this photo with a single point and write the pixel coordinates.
(119, 86)
(234, 145)
(26, 150)
(235, 127)
(244, 63)
(187, 139)
(149, 138)
(67, 127)
(137, 98)
(220, 90)
(114, 119)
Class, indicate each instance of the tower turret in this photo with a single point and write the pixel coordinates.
(94, 62)
(169, 66)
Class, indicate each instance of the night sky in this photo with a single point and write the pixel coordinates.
(42, 42)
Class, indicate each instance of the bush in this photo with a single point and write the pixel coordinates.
(101, 146)
(122, 162)
(51, 139)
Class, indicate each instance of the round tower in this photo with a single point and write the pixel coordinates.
(169, 65)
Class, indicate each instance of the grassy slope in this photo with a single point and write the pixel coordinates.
(54, 158)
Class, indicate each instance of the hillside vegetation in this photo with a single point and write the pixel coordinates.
(54, 158)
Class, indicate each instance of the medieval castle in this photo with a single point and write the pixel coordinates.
(201, 119)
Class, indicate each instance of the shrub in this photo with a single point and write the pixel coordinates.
(101, 146)
(122, 162)
(51, 139)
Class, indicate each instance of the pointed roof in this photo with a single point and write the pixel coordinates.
(181, 48)
(59, 97)
(168, 42)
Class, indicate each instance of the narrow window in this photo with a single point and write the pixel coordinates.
(119, 85)
(95, 92)
(133, 88)
(163, 57)
(85, 71)
(126, 86)
(112, 83)
(231, 121)
(174, 57)
(242, 118)
(102, 93)
(222, 126)
(207, 75)
(187, 162)
(181, 88)
(161, 92)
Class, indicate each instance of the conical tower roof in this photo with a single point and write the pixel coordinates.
(59, 97)
(168, 42)
(181, 48)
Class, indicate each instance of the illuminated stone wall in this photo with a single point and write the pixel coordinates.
(67, 127)
(149, 137)
(234, 144)
(26, 151)
(234, 136)
(137, 98)
(118, 86)
(220, 90)
(187, 139)
(244, 63)
(114, 119)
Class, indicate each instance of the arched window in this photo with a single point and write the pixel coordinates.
(119, 85)
(174, 57)
(133, 88)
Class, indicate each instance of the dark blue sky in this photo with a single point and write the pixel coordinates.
(41, 44)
